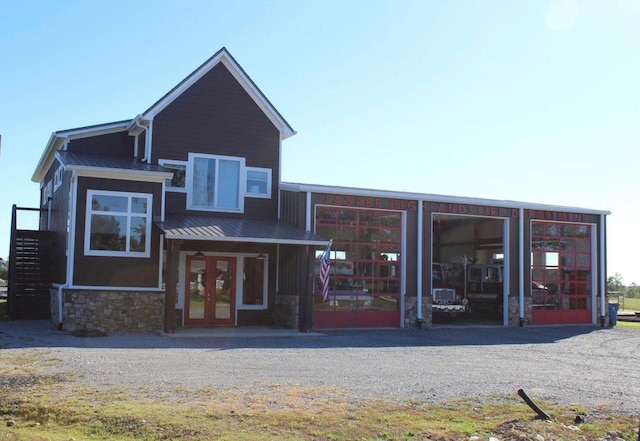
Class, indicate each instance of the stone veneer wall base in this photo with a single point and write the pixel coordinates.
(109, 311)
(286, 313)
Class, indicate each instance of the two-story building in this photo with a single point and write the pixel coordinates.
(179, 217)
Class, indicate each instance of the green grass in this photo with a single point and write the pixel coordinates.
(630, 304)
(3, 309)
(628, 325)
(55, 407)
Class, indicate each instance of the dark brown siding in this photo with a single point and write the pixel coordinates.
(115, 271)
(216, 116)
(113, 144)
(59, 209)
(293, 270)
(293, 208)
(55, 220)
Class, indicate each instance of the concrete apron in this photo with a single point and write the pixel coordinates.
(240, 331)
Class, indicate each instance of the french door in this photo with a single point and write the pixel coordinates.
(210, 291)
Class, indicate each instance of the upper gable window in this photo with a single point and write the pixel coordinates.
(179, 169)
(118, 224)
(46, 194)
(57, 178)
(215, 183)
(258, 182)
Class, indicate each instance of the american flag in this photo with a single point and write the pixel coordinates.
(325, 263)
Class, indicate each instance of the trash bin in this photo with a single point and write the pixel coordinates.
(613, 313)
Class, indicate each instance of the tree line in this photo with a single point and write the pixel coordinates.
(616, 285)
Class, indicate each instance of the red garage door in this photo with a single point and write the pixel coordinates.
(561, 272)
(364, 282)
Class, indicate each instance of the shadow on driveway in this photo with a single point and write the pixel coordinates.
(42, 334)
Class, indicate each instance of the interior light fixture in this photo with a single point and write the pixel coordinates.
(199, 254)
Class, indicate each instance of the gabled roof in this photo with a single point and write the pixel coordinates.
(58, 139)
(224, 57)
(194, 227)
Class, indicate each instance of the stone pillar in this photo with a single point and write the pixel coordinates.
(171, 280)
(411, 312)
(286, 314)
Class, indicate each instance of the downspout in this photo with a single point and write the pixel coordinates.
(603, 275)
(308, 212)
(521, 266)
(419, 265)
(147, 143)
(71, 244)
(136, 141)
(61, 304)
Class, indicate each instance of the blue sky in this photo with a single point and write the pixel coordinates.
(535, 101)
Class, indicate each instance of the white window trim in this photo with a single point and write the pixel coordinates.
(242, 184)
(46, 193)
(265, 285)
(266, 195)
(165, 162)
(87, 229)
(57, 178)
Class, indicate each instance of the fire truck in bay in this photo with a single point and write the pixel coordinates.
(447, 304)
(484, 285)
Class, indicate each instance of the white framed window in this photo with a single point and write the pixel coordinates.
(118, 224)
(46, 194)
(57, 178)
(258, 182)
(215, 183)
(179, 169)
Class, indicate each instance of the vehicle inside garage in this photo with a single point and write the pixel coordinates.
(468, 255)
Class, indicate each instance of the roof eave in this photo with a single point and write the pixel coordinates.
(299, 187)
(85, 170)
(46, 158)
(309, 242)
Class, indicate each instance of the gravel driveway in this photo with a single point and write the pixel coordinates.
(582, 365)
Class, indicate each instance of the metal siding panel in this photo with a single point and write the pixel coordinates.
(114, 144)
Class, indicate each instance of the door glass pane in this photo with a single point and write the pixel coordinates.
(197, 289)
(223, 290)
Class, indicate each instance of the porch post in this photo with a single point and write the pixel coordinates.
(171, 280)
(306, 297)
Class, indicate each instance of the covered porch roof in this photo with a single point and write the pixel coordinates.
(197, 227)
